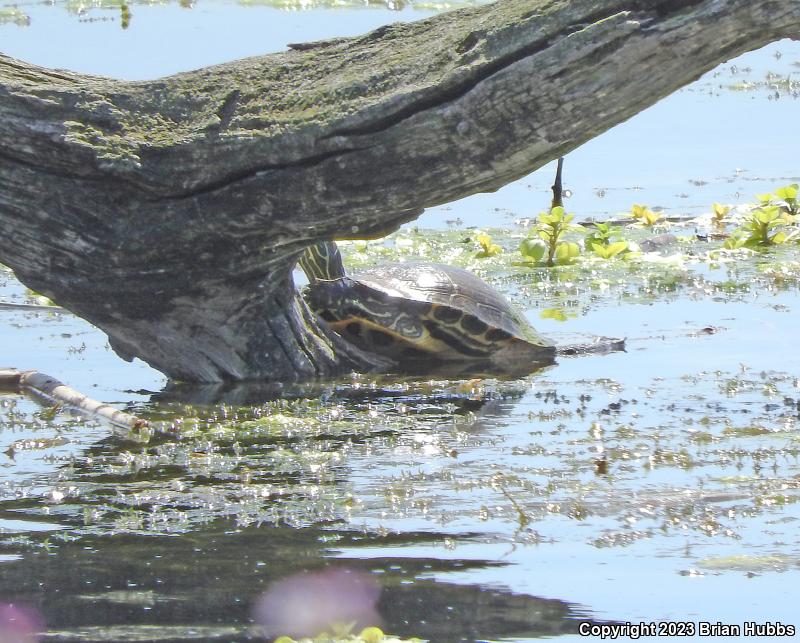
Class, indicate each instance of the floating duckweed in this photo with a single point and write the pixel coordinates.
(745, 563)
(14, 15)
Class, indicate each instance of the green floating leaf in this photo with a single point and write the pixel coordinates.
(533, 249)
(611, 250)
(744, 562)
(567, 252)
(557, 314)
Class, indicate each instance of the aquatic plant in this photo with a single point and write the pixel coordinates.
(720, 212)
(487, 248)
(766, 226)
(785, 198)
(547, 246)
(645, 215)
(600, 242)
(788, 195)
(611, 250)
(601, 233)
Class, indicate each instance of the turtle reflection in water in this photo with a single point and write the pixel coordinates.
(422, 314)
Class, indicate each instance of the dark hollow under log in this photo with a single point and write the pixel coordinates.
(170, 213)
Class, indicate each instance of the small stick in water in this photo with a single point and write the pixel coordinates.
(51, 389)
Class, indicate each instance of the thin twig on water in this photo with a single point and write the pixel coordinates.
(43, 386)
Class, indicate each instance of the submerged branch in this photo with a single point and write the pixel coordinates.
(49, 388)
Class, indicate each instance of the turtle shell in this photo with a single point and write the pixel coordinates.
(426, 310)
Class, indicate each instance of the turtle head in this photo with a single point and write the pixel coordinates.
(322, 262)
(330, 299)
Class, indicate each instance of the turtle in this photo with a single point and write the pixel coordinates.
(419, 312)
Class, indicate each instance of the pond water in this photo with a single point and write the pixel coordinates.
(655, 485)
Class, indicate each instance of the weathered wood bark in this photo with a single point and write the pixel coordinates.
(170, 212)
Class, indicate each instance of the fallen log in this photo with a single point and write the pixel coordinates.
(50, 389)
(171, 212)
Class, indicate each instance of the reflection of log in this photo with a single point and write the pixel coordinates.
(49, 388)
(170, 212)
(86, 569)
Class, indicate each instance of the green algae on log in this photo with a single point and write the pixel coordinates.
(170, 212)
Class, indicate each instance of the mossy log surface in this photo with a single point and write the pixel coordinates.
(170, 212)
